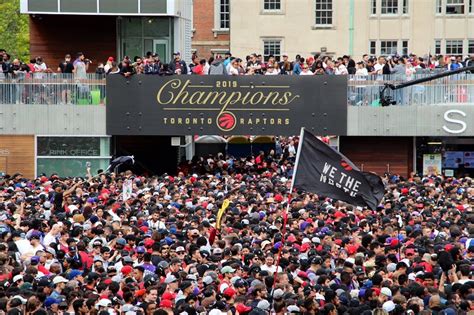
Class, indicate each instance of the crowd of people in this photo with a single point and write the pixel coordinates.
(75, 246)
(254, 64)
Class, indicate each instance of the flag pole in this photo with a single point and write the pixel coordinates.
(285, 213)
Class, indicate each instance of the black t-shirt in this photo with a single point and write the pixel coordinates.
(66, 67)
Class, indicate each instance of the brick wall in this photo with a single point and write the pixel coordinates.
(204, 39)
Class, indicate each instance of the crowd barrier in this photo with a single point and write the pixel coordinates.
(51, 89)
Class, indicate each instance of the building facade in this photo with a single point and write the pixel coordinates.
(355, 27)
(211, 27)
(104, 28)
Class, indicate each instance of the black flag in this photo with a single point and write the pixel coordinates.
(127, 159)
(322, 170)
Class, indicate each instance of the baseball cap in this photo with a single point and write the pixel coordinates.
(241, 308)
(59, 279)
(388, 306)
(386, 291)
(166, 304)
(227, 269)
(17, 278)
(170, 279)
(263, 305)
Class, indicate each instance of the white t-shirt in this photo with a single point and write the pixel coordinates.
(271, 269)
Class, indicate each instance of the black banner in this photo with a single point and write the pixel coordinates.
(322, 170)
(220, 105)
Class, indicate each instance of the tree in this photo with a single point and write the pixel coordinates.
(14, 30)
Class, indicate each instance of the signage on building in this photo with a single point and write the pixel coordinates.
(243, 105)
(432, 164)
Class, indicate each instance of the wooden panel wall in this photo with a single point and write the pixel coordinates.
(19, 153)
(380, 154)
(54, 36)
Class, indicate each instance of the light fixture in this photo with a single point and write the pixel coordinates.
(435, 143)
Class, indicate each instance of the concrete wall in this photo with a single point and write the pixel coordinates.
(52, 120)
(434, 120)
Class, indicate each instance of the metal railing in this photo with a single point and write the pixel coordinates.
(362, 90)
(365, 91)
(52, 88)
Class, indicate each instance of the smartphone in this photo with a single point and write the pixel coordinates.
(88, 164)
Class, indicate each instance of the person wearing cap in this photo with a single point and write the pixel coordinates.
(59, 284)
(177, 65)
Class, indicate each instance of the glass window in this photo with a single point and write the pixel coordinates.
(437, 47)
(405, 6)
(471, 6)
(405, 47)
(439, 7)
(224, 14)
(372, 47)
(389, 7)
(70, 167)
(271, 48)
(69, 146)
(454, 6)
(272, 5)
(470, 46)
(388, 47)
(373, 7)
(454, 47)
(323, 12)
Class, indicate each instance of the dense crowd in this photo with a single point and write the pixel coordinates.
(254, 64)
(74, 246)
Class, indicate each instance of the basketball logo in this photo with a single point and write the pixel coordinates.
(226, 121)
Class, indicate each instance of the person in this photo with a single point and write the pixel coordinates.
(305, 70)
(66, 65)
(178, 66)
(199, 69)
(81, 65)
(39, 68)
(108, 64)
(286, 67)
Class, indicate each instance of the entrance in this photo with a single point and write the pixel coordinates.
(153, 154)
(161, 47)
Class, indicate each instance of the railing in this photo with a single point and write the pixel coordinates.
(50, 89)
(362, 91)
(365, 91)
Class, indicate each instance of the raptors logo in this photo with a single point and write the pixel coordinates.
(346, 165)
(226, 121)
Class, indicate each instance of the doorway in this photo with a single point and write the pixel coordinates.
(161, 47)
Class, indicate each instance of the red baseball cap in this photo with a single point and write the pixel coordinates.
(166, 304)
(229, 292)
(168, 296)
(241, 308)
(126, 270)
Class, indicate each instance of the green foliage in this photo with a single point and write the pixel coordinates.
(14, 30)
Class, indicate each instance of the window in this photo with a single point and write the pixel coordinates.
(454, 47)
(405, 47)
(405, 6)
(470, 46)
(388, 47)
(373, 7)
(224, 14)
(454, 6)
(69, 156)
(389, 6)
(323, 12)
(272, 5)
(471, 6)
(372, 47)
(271, 48)
(439, 7)
(437, 47)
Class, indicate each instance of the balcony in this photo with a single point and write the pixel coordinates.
(77, 107)
(60, 89)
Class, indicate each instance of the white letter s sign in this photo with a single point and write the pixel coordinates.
(461, 123)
